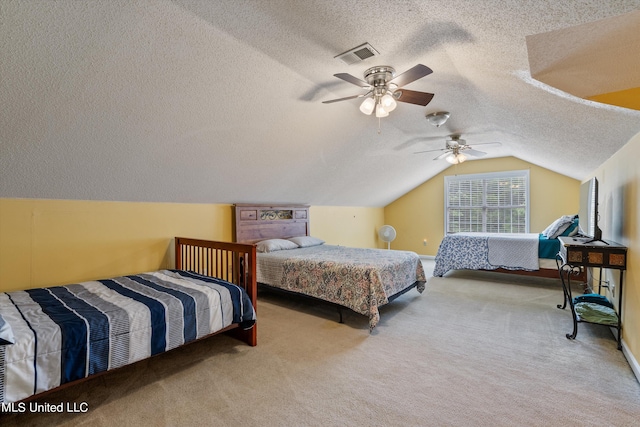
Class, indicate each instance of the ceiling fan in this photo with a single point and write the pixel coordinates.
(457, 150)
(384, 88)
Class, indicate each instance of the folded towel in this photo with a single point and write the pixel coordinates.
(594, 298)
(596, 313)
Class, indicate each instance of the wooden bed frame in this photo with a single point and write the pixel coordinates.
(549, 273)
(233, 262)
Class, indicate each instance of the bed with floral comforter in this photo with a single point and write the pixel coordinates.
(357, 278)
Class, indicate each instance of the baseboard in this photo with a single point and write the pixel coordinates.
(635, 367)
(633, 363)
(431, 257)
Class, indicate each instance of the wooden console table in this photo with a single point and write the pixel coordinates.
(578, 253)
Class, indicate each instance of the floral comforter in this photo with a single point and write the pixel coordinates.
(357, 278)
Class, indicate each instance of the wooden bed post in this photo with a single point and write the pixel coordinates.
(244, 272)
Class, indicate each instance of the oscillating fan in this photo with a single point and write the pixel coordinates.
(387, 233)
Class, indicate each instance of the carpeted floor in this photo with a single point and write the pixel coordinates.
(475, 349)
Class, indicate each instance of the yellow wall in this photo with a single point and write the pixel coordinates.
(419, 214)
(53, 242)
(629, 98)
(619, 208)
(347, 226)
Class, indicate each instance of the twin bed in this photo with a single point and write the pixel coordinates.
(534, 254)
(290, 259)
(529, 253)
(54, 337)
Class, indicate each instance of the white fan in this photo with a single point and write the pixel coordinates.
(387, 233)
(454, 148)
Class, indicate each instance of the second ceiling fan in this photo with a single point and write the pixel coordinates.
(457, 150)
(384, 88)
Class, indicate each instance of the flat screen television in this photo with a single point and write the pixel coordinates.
(588, 213)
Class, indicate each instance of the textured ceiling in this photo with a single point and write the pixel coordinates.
(221, 101)
(582, 59)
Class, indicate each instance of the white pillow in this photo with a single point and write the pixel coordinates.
(558, 226)
(272, 245)
(6, 333)
(306, 241)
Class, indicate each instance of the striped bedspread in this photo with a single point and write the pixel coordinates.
(52, 336)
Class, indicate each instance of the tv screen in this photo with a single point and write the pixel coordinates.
(588, 213)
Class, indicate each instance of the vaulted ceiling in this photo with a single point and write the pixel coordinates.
(221, 101)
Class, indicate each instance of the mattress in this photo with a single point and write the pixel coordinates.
(53, 336)
(357, 278)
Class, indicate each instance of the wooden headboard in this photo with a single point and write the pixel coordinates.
(254, 223)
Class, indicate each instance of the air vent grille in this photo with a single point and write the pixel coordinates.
(357, 54)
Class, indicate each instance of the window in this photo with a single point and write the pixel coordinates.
(491, 202)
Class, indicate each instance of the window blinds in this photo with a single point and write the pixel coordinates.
(494, 203)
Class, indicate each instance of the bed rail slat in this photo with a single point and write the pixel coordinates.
(233, 262)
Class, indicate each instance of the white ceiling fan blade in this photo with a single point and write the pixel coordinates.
(344, 99)
(429, 138)
(489, 143)
(431, 151)
(443, 155)
(474, 153)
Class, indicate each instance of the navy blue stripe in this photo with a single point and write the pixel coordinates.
(242, 308)
(234, 291)
(98, 328)
(157, 310)
(74, 334)
(188, 306)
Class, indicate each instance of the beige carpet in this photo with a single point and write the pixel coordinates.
(475, 349)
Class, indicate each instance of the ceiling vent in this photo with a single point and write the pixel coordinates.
(357, 54)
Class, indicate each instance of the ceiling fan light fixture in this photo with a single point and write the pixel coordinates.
(388, 102)
(455, 159)
(381, 111)
(367, 106)
(439, 118)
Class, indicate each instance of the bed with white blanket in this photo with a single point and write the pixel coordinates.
(534, 254)
(55, 336)
(503, 252)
